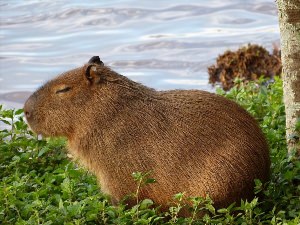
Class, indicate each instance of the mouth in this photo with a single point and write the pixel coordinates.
(32, 127)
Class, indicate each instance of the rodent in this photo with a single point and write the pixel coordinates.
(192, 141)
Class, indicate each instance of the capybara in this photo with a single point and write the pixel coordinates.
(192, 141)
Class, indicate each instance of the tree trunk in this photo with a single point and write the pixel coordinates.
(289, 22)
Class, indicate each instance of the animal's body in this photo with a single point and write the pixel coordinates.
(193, 141)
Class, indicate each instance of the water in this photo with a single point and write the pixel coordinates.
(163, 44)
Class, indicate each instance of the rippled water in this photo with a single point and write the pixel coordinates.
(163, 44)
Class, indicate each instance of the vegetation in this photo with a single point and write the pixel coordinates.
(248, 63)
(41, 185)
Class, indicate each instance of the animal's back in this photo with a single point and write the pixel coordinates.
(215, 147)
(194, 142)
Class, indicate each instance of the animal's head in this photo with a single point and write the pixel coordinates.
(60, 105)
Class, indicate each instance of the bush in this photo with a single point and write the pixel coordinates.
(248, 63)
(40, 185)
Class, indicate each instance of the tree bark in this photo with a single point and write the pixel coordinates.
(289, 23)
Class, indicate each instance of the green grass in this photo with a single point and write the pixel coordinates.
(40, 185)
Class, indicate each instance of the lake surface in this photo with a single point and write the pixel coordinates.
(163, 44)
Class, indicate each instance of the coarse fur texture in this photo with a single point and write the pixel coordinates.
(193, 141)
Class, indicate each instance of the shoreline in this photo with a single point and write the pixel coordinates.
(14, 99)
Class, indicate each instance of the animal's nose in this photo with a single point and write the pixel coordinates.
(28, 108)
(27, 113)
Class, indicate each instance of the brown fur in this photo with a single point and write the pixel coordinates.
(193, 141)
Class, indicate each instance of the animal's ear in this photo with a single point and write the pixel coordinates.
(92, 74)
(96, 60)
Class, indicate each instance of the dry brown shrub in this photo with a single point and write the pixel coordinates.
(247, 63)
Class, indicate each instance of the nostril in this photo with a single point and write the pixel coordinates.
(27, 114)
(29, 107)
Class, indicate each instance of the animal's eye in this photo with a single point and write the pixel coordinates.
(63, 90)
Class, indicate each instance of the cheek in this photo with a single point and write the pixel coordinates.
(60, 111)
(80, 100)
(58, 120)
(52, 112)
(63, 110)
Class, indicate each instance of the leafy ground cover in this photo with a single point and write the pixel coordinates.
(41, 185)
